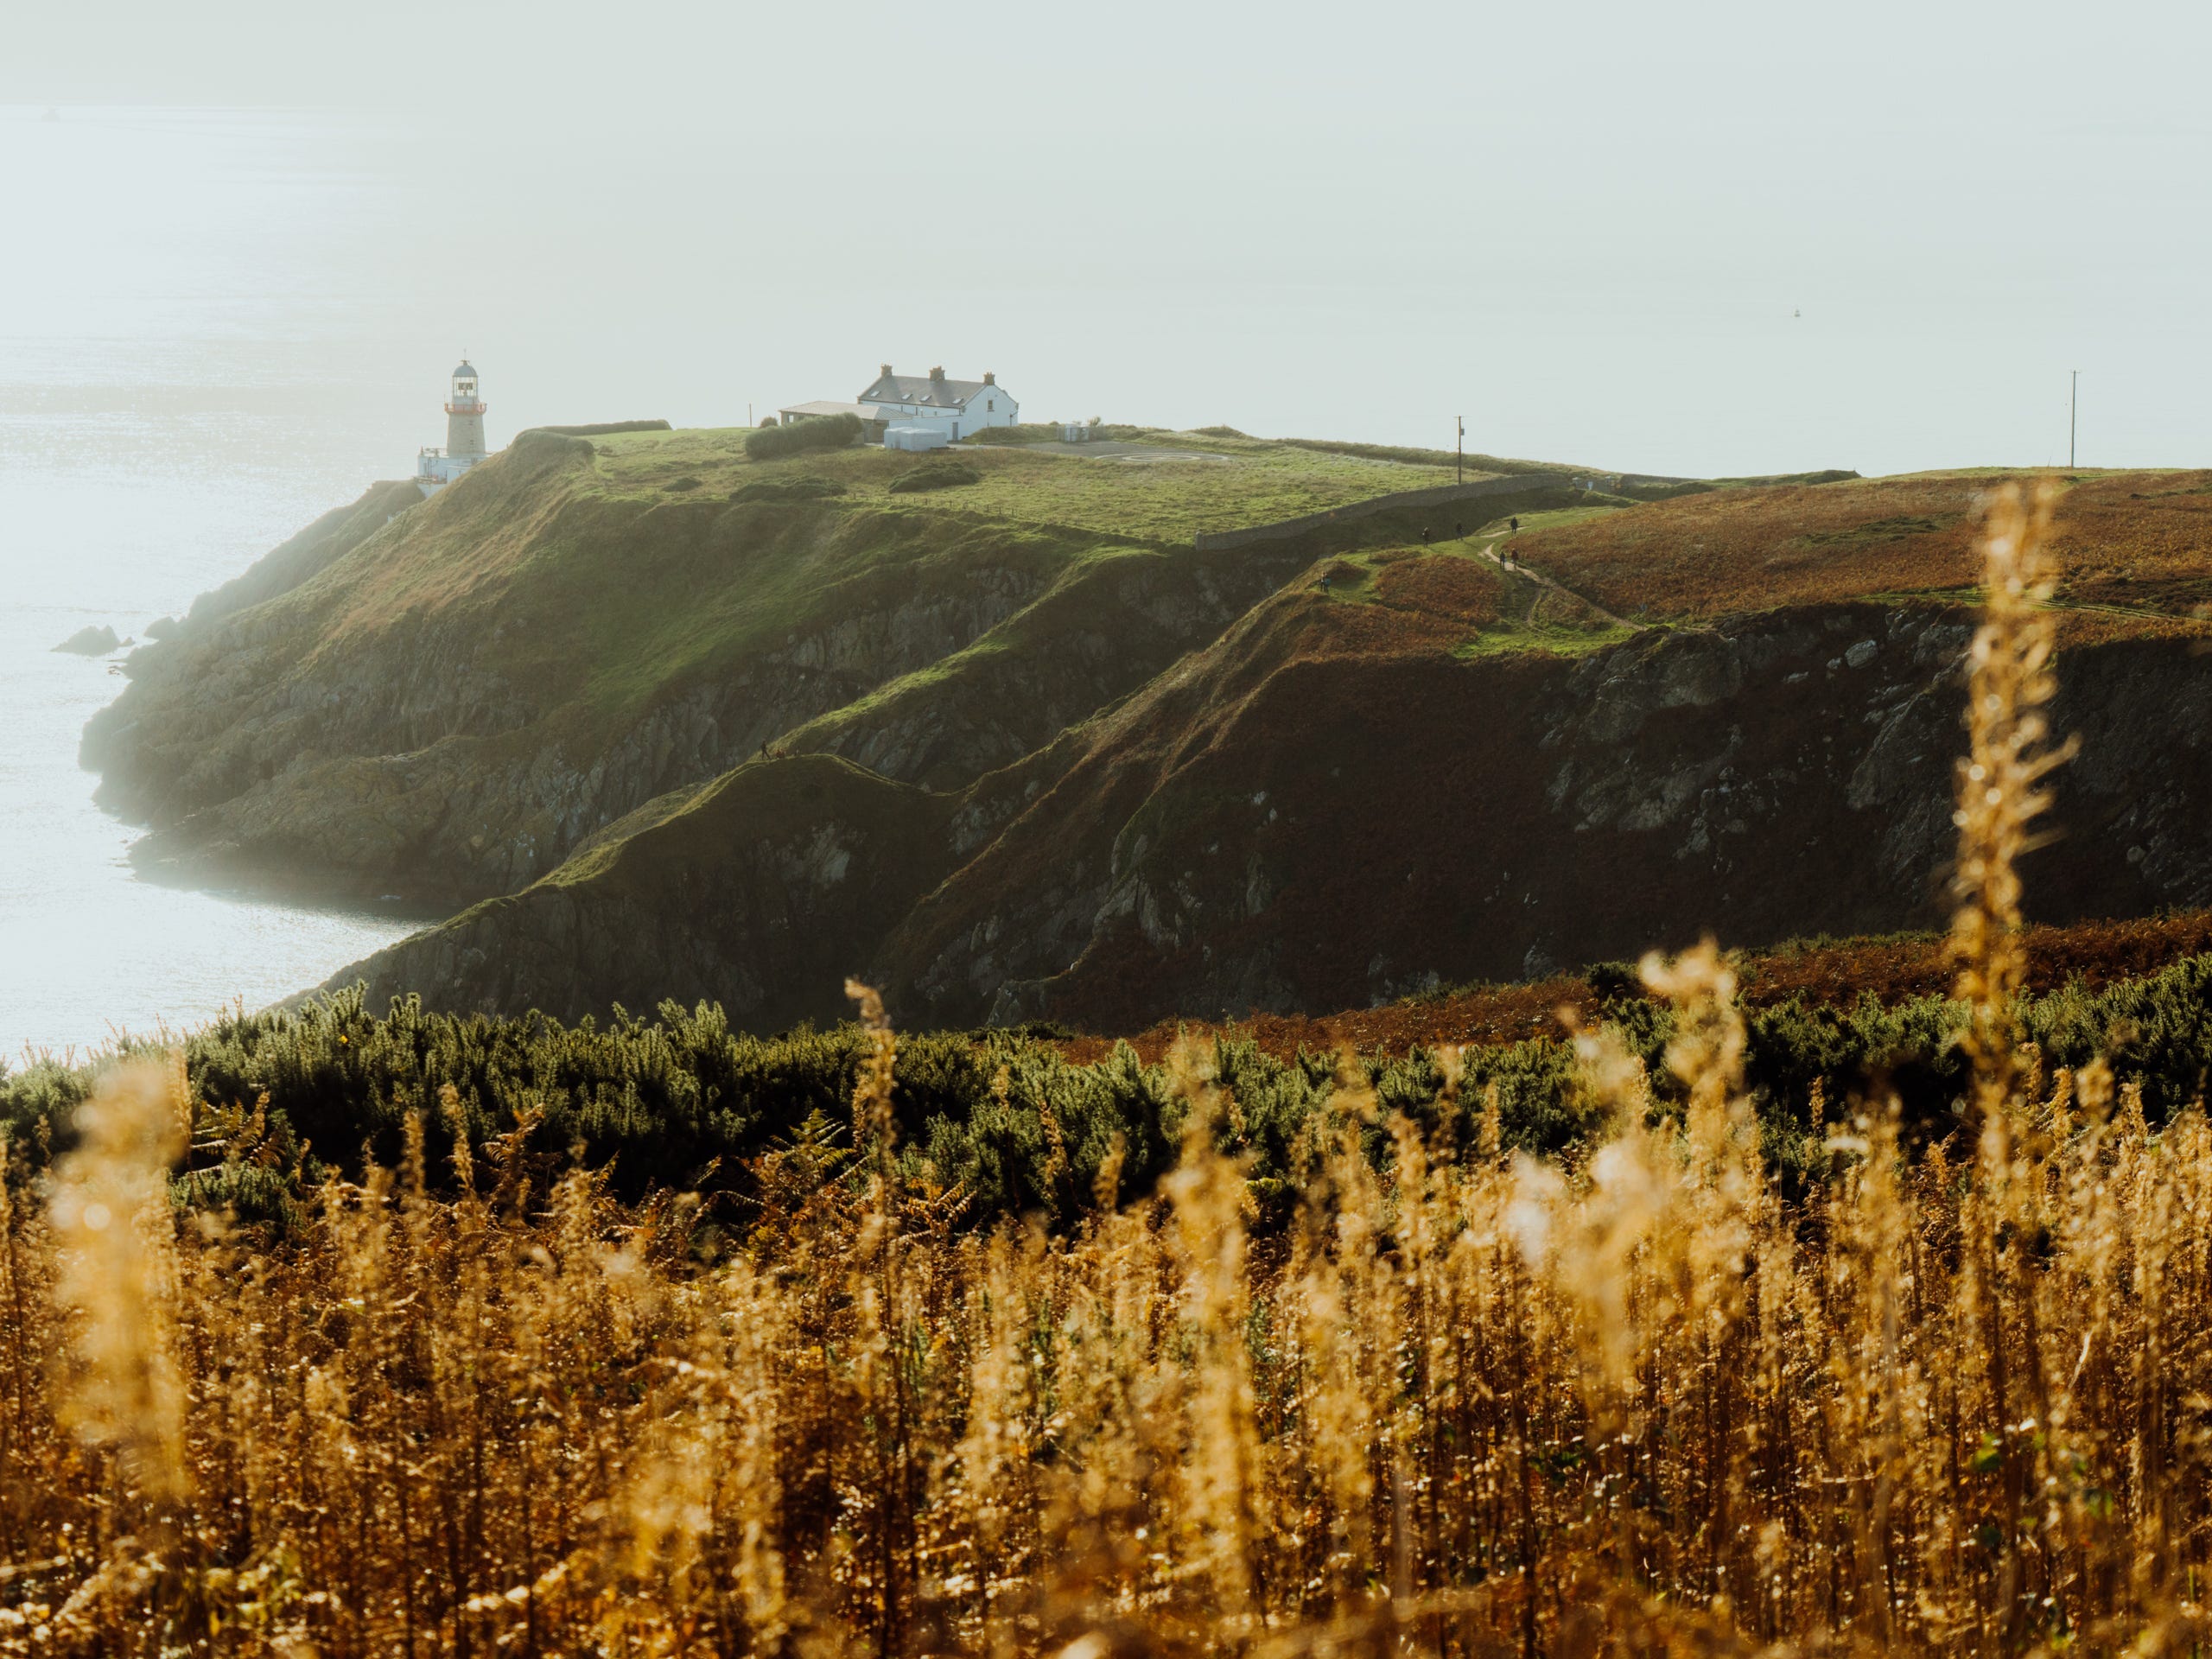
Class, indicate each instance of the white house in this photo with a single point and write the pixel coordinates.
(957, 408)
(969, 405)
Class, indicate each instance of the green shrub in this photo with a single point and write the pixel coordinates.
(824, 432)
(787, 489)
(679, 1100)
(935, 475)
(678, 486)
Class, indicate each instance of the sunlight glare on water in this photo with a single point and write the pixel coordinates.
(167, 415)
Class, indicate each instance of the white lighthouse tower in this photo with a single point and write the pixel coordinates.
(435, 468)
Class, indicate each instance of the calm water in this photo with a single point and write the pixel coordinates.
(167, 414)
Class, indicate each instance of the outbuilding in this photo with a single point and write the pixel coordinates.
(917, 434)
(873, 421)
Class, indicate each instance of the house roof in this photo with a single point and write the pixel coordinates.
(920, 389)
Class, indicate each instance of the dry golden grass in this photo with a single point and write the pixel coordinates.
(1465, 1404)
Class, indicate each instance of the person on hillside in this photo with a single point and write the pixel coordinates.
(1424, 535)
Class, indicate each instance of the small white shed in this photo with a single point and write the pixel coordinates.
(917, 434)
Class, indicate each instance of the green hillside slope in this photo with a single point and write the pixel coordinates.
(1433, 768)
(445, 700)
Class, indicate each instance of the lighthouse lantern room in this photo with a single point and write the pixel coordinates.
(464, 411)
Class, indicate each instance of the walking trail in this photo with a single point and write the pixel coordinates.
(1490, 551)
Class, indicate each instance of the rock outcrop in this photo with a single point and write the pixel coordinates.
(94, 639)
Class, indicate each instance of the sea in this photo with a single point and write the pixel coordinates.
(173, 402)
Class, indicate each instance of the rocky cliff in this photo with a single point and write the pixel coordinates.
(1014, 755)
(1362, 825)
(1303, 816)
(444, 699)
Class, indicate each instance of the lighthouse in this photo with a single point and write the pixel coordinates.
(465, 408)
(465, 418)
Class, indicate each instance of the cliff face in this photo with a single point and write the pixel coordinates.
(1363, 826)
(447, 704)
(1012, 766)
(1295, 818)
(750, 895)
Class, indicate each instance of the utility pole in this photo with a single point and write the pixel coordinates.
(2073, 405)
(1462, 451)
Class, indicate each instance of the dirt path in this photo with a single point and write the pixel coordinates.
(1515, 567)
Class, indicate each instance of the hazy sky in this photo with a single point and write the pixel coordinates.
(1589, 229)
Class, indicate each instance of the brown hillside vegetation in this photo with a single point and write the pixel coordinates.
(1460, 589)
(1832, 972)
(2137, 541)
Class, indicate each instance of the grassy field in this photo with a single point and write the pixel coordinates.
(1187, 485)
(1450, 596)
(596, 583)
(1532, 521)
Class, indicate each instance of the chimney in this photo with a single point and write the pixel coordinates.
(887, 371)
(989, 379)
(937, 373)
